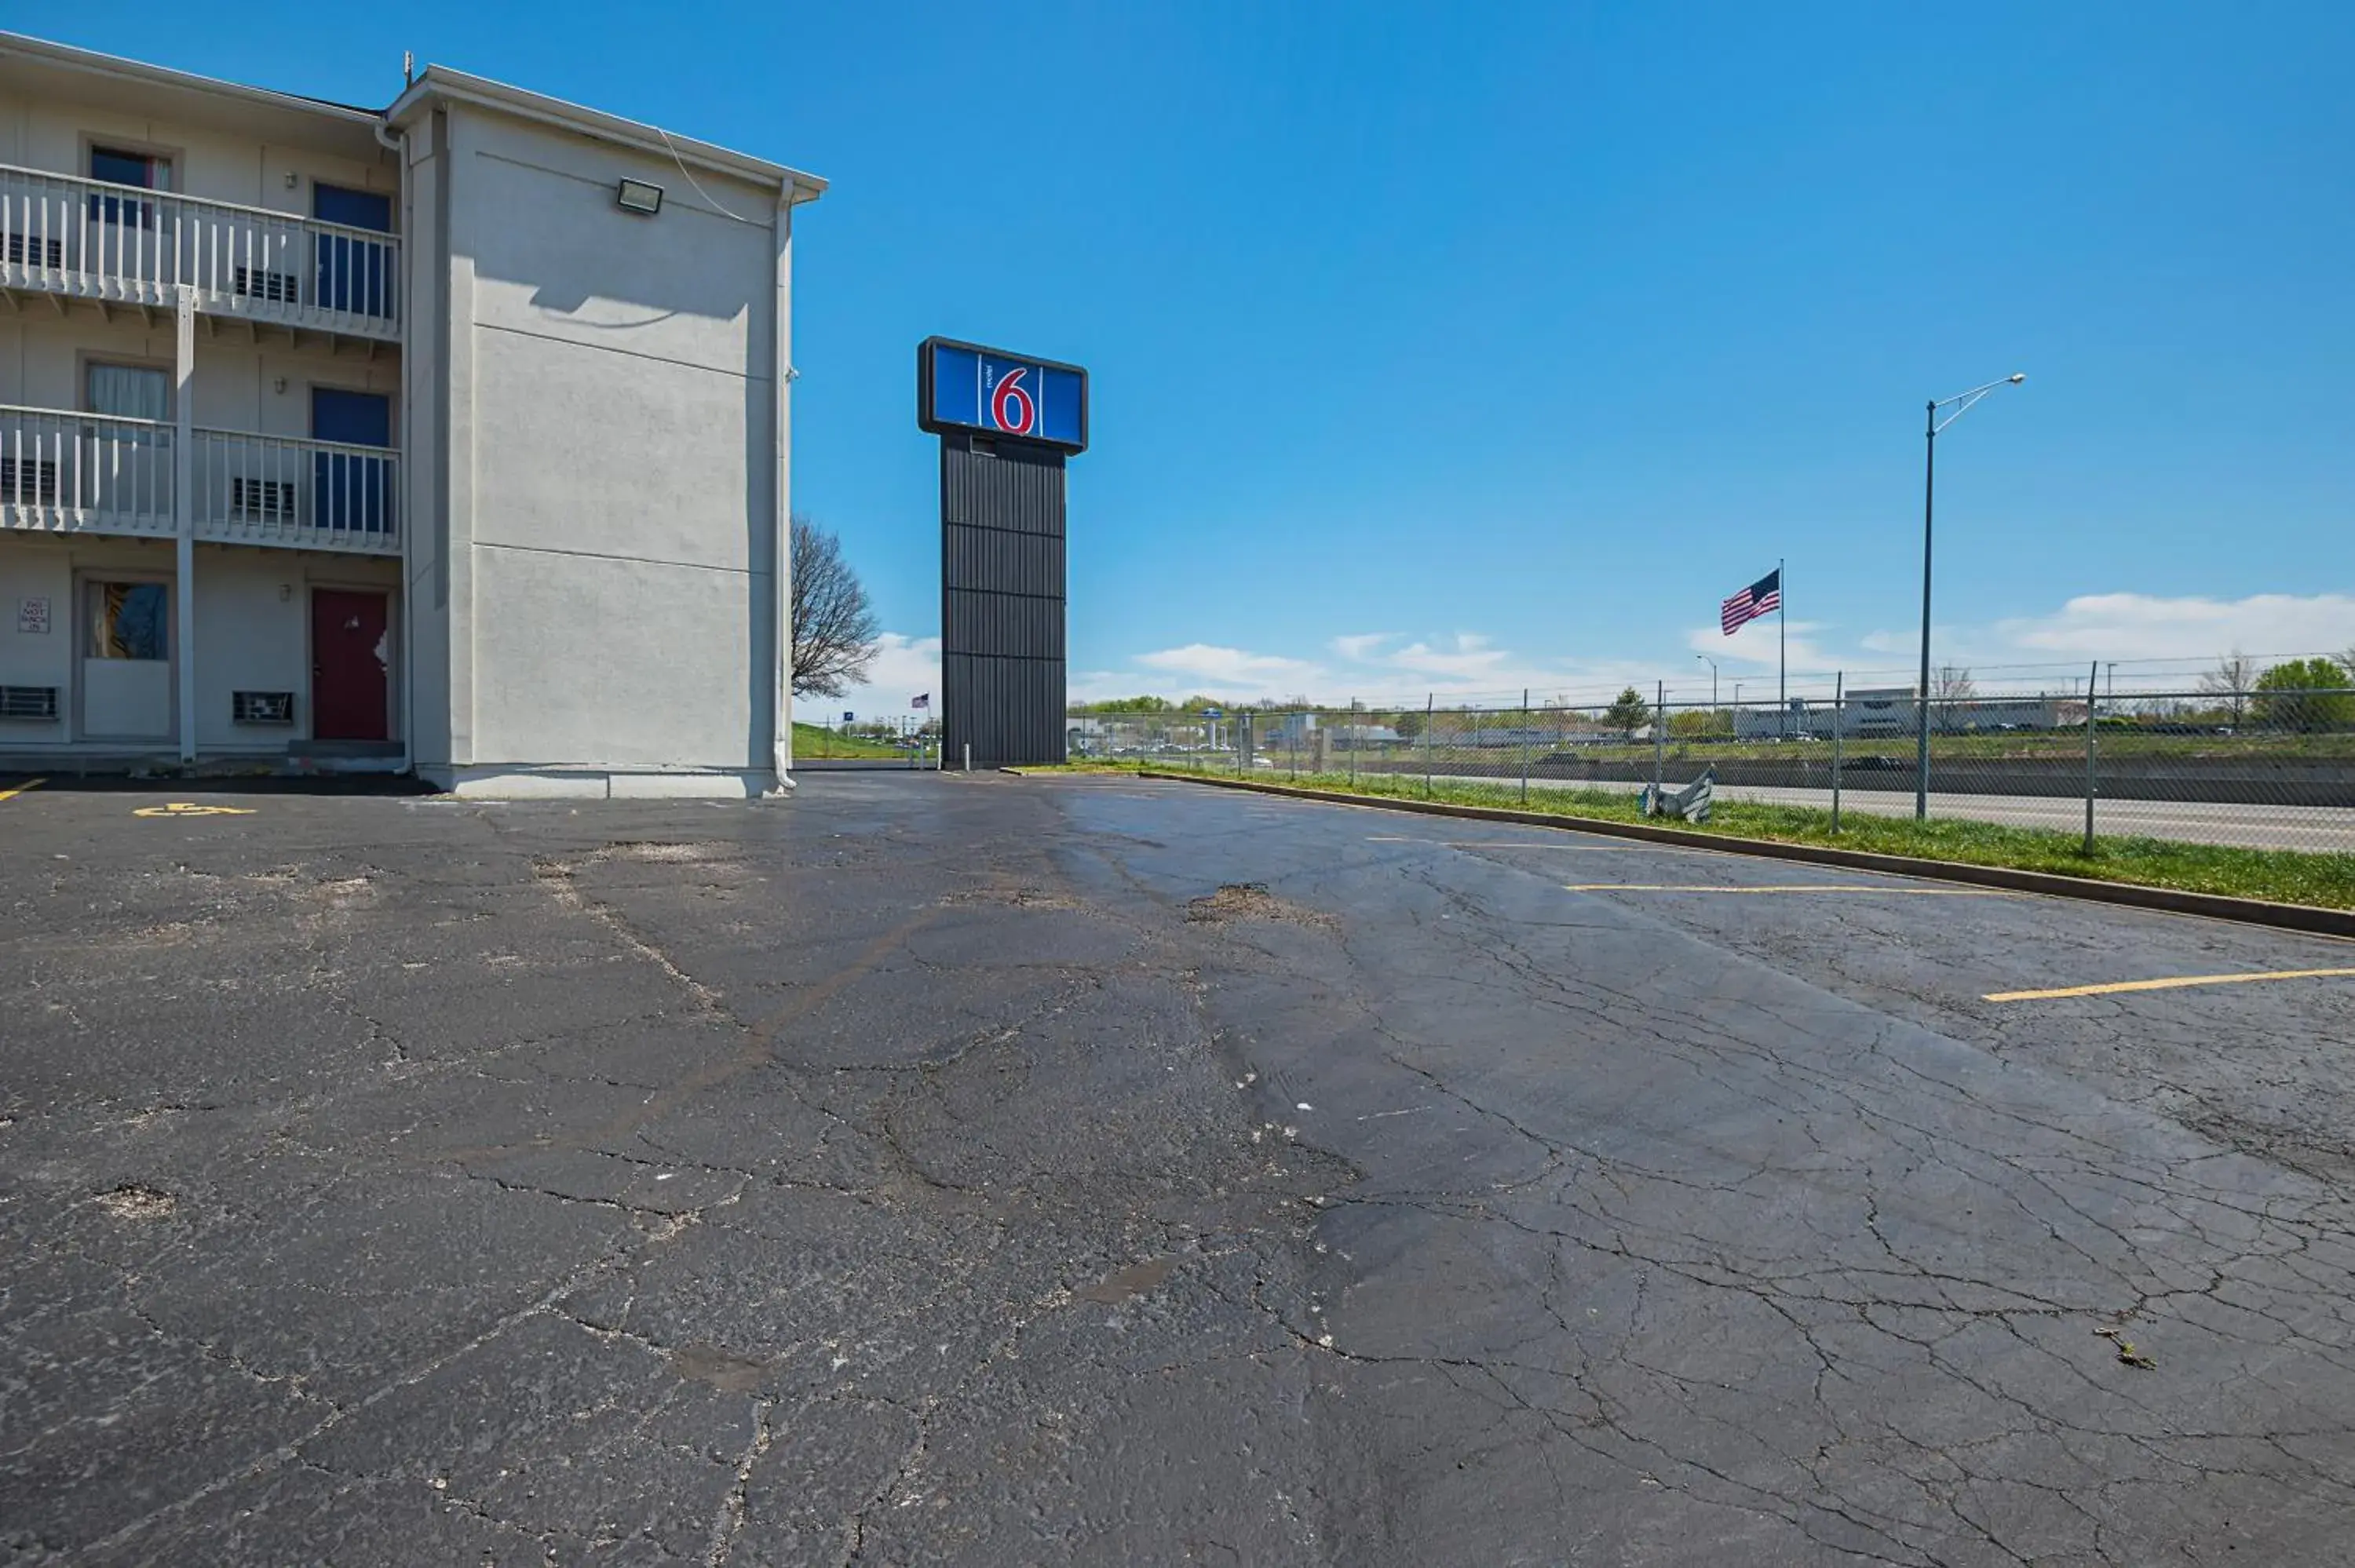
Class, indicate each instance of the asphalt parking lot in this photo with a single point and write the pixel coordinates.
(944, 1169)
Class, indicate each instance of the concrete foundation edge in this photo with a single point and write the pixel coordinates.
(601, 784)
(2173, 901)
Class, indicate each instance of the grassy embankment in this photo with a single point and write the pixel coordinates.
(816, 740)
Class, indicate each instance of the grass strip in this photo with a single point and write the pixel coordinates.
(816, 740)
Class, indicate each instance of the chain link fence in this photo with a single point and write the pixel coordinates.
(2260, 762)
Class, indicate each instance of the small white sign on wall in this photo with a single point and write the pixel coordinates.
(33, 616)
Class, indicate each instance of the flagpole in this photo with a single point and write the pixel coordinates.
(1782, 651)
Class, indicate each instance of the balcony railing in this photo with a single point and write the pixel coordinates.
(63, 472)
(279, 490)
(77, 473)
(90, 239)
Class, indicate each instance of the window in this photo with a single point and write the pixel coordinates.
(127, 391)
(144, 171)
(127, 620)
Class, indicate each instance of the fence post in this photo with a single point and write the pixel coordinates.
(2093, 748)
(1840, 691)
(1428, 699)
(1525, 746)
(1356, 739)
(1659, 735)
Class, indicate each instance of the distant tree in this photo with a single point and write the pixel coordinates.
(2305, 695)
(1409, 723)
(1146, 704)
(833, 624)
(1951, 683)
(1699, 724)
(1628, 712)
(2231, 679)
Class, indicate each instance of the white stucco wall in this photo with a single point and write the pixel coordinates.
(35, 569)
(253, 624)
(608, 504)
(215, 161)
(236, 381)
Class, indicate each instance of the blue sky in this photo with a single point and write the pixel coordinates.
(1470, 347)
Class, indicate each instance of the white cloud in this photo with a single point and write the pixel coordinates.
(1472, 658)
(904, 667)
(1233, 672)
(2140, 625)
(2134, 626)
(1755, 646)
(1359, 646)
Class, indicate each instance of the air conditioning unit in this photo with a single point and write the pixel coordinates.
(24, 248)
(278, 287)
(261, 707)
(262, 500)
(29, 481)
(28, 702)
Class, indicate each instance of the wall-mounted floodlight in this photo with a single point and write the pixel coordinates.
(640, 196)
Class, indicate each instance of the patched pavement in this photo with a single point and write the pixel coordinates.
(989, 1170)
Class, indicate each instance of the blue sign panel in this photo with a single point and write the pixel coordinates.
(964, 387)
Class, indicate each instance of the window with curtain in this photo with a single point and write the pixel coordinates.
(117, 167)
(144, 171)
(129, 621)
(130, 391)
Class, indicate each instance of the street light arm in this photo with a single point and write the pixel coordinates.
(1963, 401)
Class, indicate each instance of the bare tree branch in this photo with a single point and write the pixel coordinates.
(834, 625)
(2232, 678)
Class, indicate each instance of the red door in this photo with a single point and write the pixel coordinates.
(350, 648)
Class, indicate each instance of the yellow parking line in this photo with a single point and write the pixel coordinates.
(28, 784)
(1786, 888)
(2116, 986)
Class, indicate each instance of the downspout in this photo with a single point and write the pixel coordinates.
(398, 141)
(780, 720)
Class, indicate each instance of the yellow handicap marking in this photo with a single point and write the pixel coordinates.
(2176, 983)
(190, 808)
(28, 784)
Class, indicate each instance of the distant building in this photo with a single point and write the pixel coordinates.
(1869, 712)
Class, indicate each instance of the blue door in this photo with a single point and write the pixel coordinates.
(351, 490)
(353, 274)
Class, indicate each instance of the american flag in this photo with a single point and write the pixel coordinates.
(1763, 596)
(923, 700)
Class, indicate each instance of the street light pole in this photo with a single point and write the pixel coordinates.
(1712, 676)
(1922, 691)
(1961, 403)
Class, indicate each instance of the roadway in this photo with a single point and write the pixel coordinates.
(2309, 828)
(2313, 829)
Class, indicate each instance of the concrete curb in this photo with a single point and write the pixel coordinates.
(2173, 901)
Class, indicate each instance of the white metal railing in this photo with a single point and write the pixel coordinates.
(61, 234)
(63, 472)
(281, 490)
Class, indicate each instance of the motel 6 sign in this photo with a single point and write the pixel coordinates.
(964, 387)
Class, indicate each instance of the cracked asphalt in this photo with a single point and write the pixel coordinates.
(935, 1169)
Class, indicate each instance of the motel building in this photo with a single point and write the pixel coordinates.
(448, 438)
